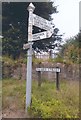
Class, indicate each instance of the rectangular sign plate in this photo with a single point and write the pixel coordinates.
(42, 35)
(48, 69)
(26, 46)
(41, 22)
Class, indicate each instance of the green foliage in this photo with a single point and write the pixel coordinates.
(58, 59)
(8, 60)
(70, 50)
(47, 102)
(12, 44)
(38, 60)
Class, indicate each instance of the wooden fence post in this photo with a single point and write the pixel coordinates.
(39, 79)
(57, 80)
(39, 76)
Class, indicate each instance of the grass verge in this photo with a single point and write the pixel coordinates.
(47, 102)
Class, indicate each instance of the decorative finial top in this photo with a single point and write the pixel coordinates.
(31, 7)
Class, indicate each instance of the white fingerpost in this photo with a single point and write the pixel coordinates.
(29, 56)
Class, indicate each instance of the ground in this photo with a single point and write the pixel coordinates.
(8, 113)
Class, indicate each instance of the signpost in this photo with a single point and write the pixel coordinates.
(29, 61)
(43, 24)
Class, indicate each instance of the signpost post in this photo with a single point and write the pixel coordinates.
(29, 61)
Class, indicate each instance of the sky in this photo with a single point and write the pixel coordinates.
(67, 20)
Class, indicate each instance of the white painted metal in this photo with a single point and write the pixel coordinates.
(26, 46)
(41, 22)
(48, 69)
(29, 61)
(42, 35)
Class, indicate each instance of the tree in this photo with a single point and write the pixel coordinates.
(15, 24)
(71, 50)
